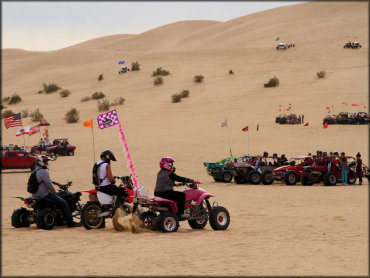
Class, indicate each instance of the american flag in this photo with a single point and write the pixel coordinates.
(12, 121)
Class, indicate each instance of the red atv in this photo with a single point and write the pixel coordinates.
(291, 172)
(16, 158)
(62, 147)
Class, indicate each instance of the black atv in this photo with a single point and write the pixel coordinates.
(45, 213)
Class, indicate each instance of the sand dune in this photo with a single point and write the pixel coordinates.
(275, 230)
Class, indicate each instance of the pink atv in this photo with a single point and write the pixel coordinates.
(161, 214)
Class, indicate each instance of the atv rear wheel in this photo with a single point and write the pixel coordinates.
(227, 176)
(45, 219)
(330, 179)
(19, 218)
(149, 219)
(167, 222)
(219, 218)
(254, 177)
(305, 181)
(290, 178)
(267, 177)
(89, 216)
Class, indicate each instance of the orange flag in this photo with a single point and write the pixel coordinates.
(88, 123)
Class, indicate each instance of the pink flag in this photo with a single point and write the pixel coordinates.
(108, 119)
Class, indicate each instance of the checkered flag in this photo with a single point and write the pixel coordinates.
(108, 119)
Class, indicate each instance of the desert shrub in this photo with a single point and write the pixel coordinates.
(321, 74)
(118, 101)
(198, 78)
(176, 98)
(50, 88)
(100, 78)
(103, 105)
(72, 116)
(65, 93)
(15, 98)
(231, 72)
(24, 113)
(36, 115)
(97, 95)
(85, 99)
(5, 99)
(7, 113)
(184, 93)
(160, 72)
(2, 106)
(158, 80)
(273, 82)
(40, 92)
(135, 66)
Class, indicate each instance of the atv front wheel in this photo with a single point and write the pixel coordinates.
(45, 219)
(219, 218)
(167, 222)
(227, 176)
(199, 223)
(90, 218)
(290, 178)
(19, 218)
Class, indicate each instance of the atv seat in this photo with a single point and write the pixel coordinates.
(159, 199)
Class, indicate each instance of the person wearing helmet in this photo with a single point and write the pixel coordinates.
(105, 175)
(166, 181)
(47, 190)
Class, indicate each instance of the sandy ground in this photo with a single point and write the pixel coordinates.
(274, 230)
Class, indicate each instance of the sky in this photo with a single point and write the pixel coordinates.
(44, 26)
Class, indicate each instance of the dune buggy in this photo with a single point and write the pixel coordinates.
(219, 170)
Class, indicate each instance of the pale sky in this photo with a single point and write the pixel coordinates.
(46, 26)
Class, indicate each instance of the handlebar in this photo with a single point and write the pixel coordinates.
(123, 178)
(193, 184)
(63, 186)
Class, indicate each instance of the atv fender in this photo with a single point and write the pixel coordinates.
(203, 196)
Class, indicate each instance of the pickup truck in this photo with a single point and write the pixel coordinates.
(11, 159)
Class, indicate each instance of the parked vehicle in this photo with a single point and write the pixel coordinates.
(14, 158)
(123, 70)
(359, 118)
(282, 46)
(352, 45)
(60, 146)
(288, 119)
(219, 170)
(45, 213)
(161, 214)
(101, 205)
(356, 45)
(348, 44)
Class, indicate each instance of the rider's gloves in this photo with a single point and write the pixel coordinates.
(190, 180)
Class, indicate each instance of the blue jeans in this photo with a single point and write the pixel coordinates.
(344, 176)
(63, 205)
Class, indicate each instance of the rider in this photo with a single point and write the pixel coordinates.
(166, 178)
(47, 190)
(106, 178)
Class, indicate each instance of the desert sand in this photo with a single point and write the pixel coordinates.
(275, 230)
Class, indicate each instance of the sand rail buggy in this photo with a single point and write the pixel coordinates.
(219, 170)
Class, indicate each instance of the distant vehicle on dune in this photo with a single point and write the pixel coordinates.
(123, 70)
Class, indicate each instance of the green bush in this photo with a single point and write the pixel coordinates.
(176, 98)
(184, 93)
(72, 116)
(135, 66)
(160, 72)
(50, 88)
(198, 78)
(118, 101)
(15, 98)
(65, 93)
(85, 99)
(273, 82)
(24, 113)
(158, 80)
(36, 115)
(103, 105)
(321, 74)
(97, 95)
(7, 113)
(100, 78)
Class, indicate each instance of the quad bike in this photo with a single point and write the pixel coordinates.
(45, 213)
(162, 214)
(102, 205)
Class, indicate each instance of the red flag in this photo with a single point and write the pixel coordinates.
(306, 124)
(325, 125)
(279, 110)
(245, 129)
(327, 107)
(258, 126)
(354, 104)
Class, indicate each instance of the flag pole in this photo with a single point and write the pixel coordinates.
(92, 131)
(231, 154)
(248, 142)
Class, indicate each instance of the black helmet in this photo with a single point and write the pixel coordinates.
(358, 154)
(274, 155)
(108, 154)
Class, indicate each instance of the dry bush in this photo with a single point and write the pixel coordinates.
(7, 113)
(103, 105)
(160, 72)
(65, 93)
(100, 78)
(5, 99)
(51, 88)
(321, 74)
(198, 78)
(176, 98)
(25, 113)
(15, 98)
(118, 101)
(72, 116)
(231, 72)
(36, 115)
(184, 93)
(135, 66)
(158, 80)
(273, 82)
(97, 95)
(85, 99)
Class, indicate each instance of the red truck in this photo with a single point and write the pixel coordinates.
(16, 159)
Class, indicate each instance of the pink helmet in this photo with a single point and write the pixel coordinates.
(167, 163)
